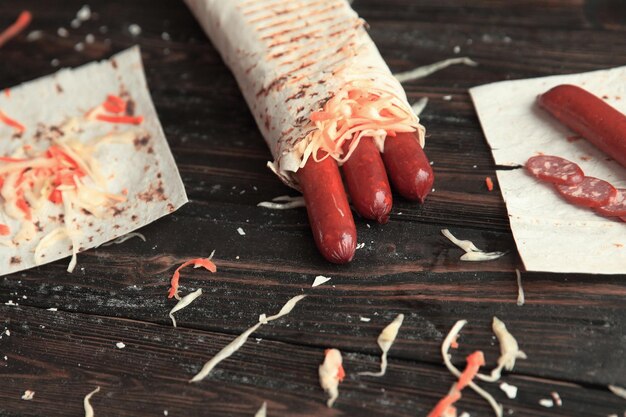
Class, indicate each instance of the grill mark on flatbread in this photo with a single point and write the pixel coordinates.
(293, 6)
(340, 43)
(303, 13)
(306, 24)
(259, 9)
(307, 64)
(308, 35)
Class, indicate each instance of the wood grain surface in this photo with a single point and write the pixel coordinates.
(572, 327)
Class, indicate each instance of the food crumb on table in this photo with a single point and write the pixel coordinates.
(28, 395)
(546, 402)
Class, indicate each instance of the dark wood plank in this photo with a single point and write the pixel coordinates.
(579, 339)
(62, 356)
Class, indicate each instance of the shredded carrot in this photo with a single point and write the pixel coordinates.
(134, 120)
(20, 24)
(318, 116)
(454, 344)
(474, 362)
(489, 183)
(197, 263)
(341, 373)
(4, 230)
(445, 403)
(56, 196)
(24, 207)
(12, 123)
(114, 104)
(7, 92)
(358, 109)
(7, 159)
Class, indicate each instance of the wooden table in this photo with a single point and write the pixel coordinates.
(572, 327)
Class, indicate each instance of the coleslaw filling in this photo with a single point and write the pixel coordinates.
(360, 109)
(66, 174)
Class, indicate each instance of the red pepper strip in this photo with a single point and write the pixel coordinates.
(4, 230)
(445, 403)
(20, 24)
(114, 104)
(10, 122)
(198, 262)
(474, 362)
(134, 120)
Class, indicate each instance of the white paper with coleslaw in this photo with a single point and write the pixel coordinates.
(138, 181)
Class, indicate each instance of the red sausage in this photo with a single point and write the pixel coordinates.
(408, 167)
(590, 192)
(367, 182)
(555, 170)
(617, 206)
(590, 117)
(328, 209)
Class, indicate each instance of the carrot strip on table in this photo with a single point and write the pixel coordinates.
(20, 24)
(197, 263)
(446, 402)
(489, 183)
(474, 362)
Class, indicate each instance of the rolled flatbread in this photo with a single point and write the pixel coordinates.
(310, 74)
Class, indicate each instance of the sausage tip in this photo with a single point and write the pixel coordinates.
(381, 207)
(423, 184)
(408, 167)
(344, 249)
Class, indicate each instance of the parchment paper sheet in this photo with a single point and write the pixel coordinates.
(551, 234)
(146, 168)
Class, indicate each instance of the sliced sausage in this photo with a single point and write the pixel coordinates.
(328, 209)
(367, 181)
(555, 170)
(590, 192)
(408, 167)
(589, 116)
(617, 206)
